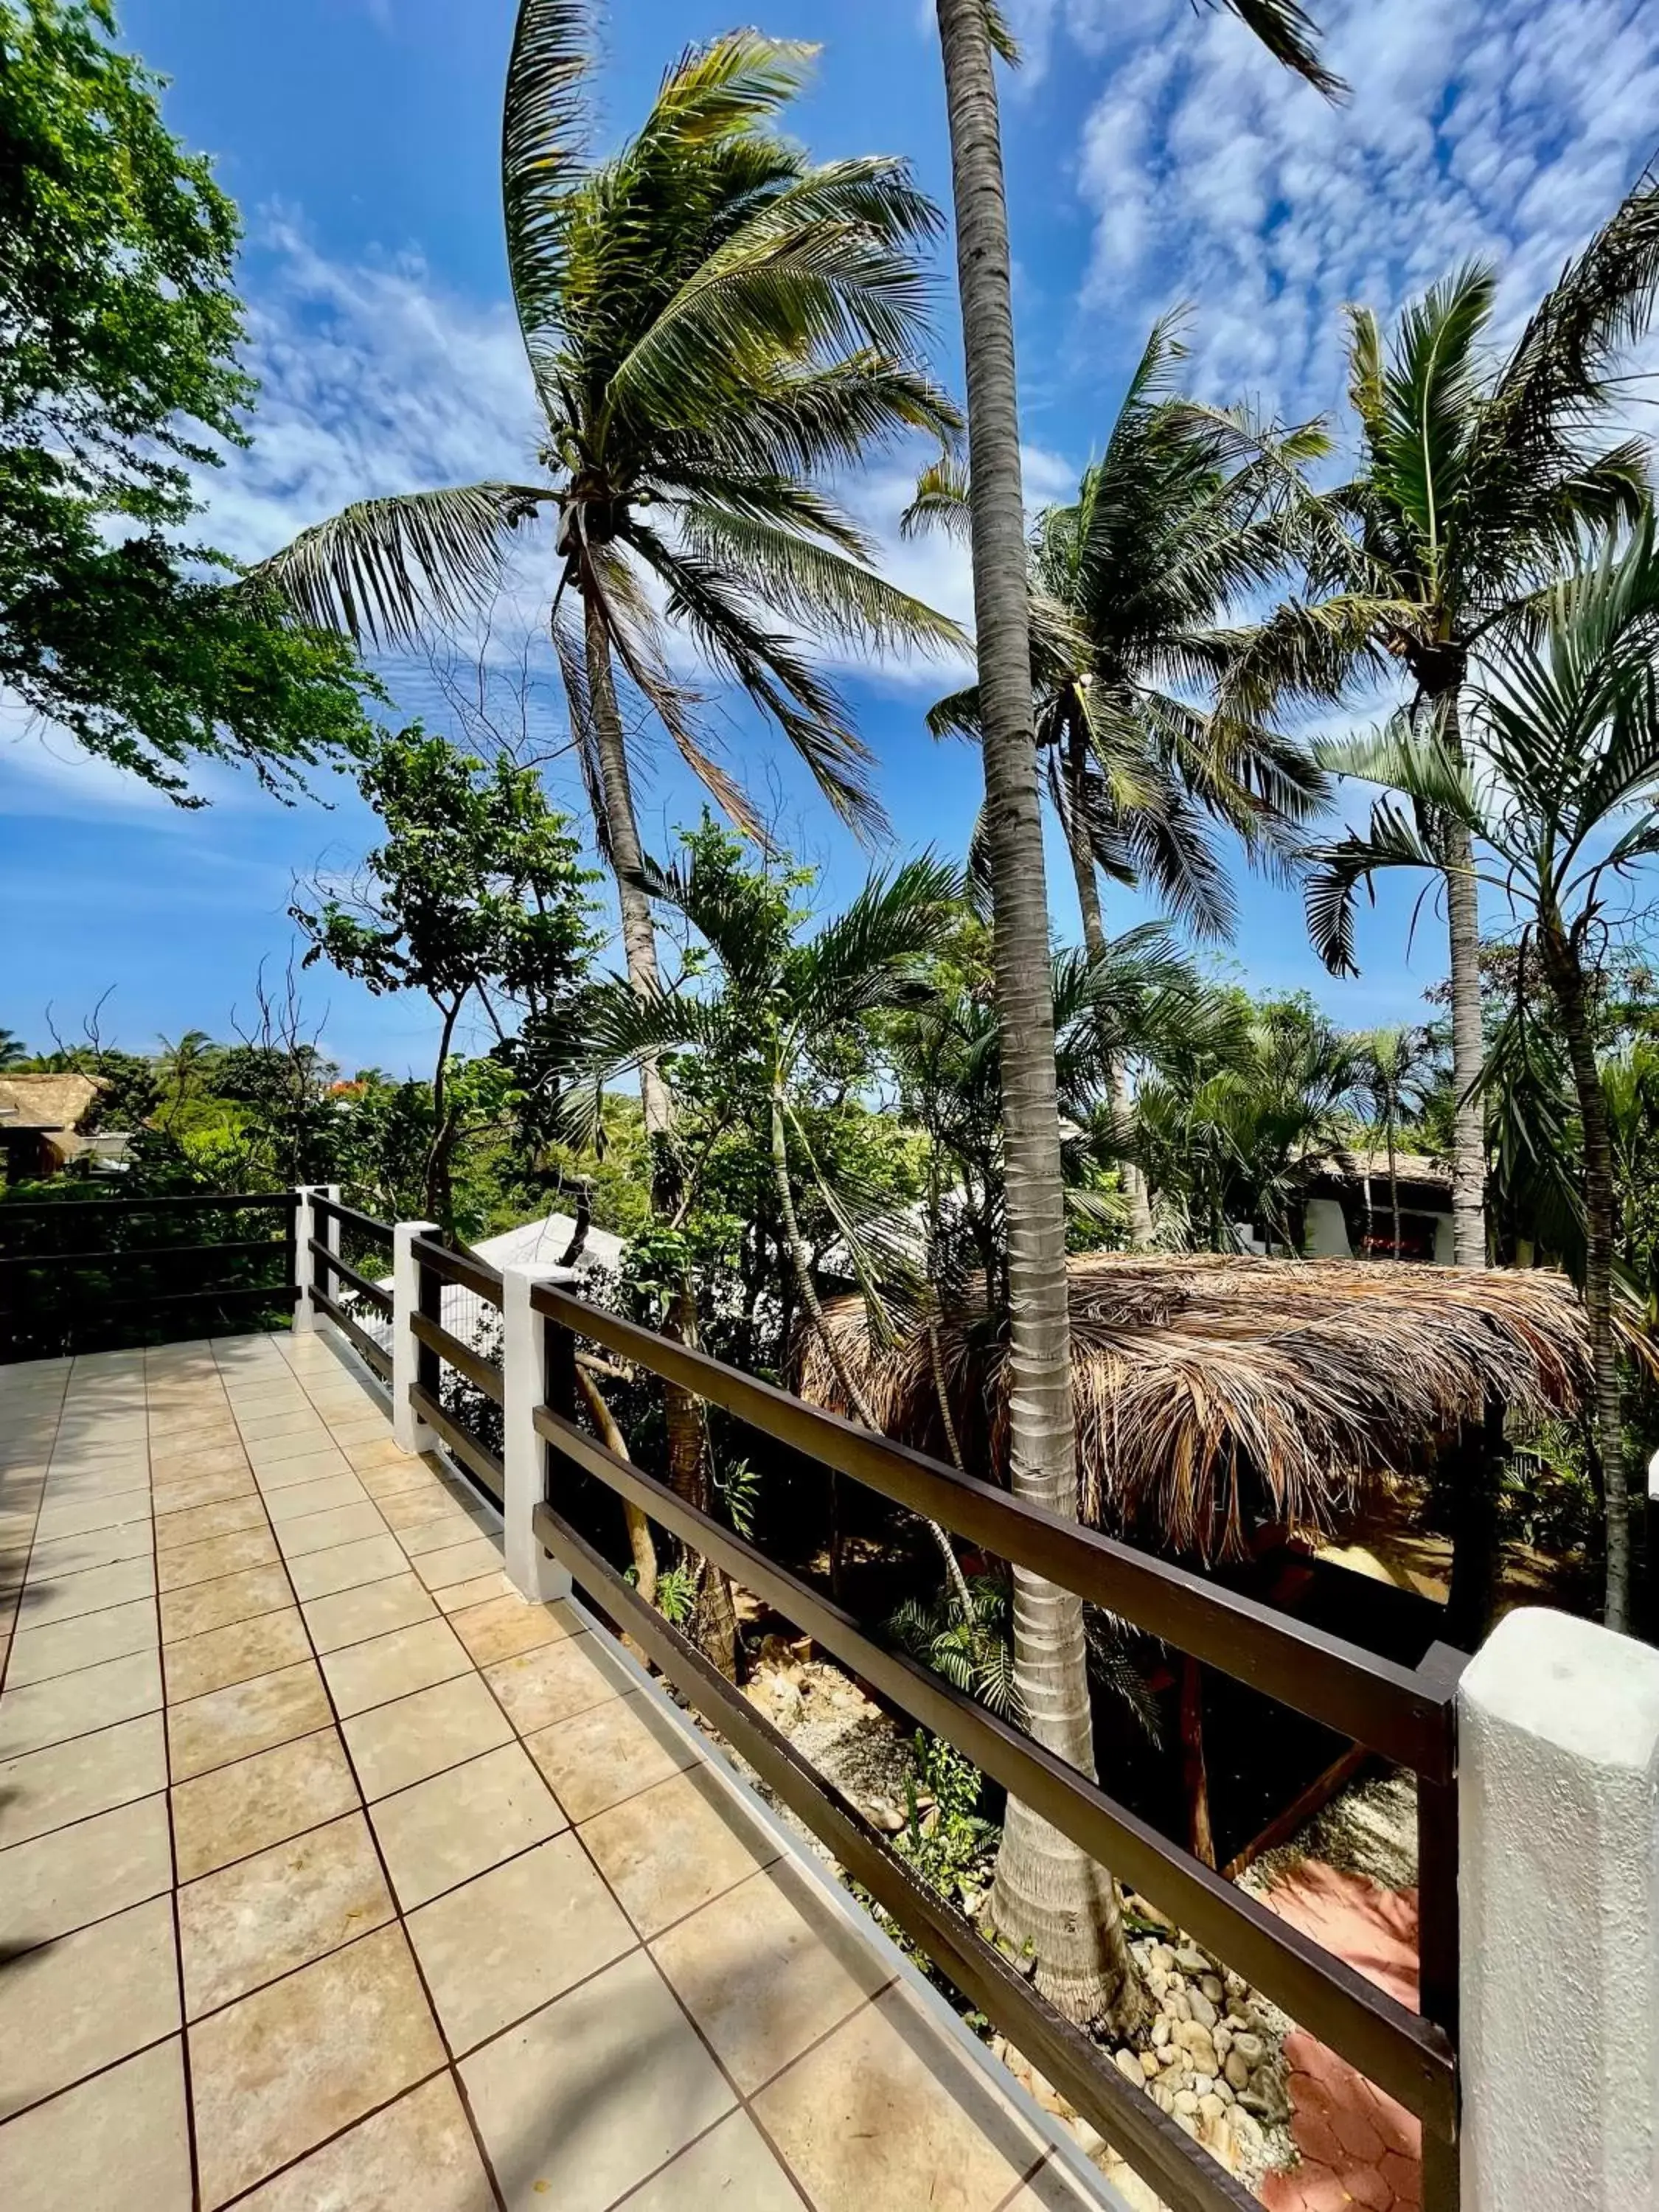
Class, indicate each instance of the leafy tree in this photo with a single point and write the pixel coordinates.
(1553, 792)
(13, 1050)
(476, 894)
(1048, 1893)
(118, 377)
(1477, 476)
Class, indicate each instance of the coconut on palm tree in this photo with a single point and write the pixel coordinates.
(1478, 471)
(1553, 784)
(1049, 1895)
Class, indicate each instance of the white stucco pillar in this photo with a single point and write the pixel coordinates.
(525, 1385)
(411, 1435)
(1558, 1881)
(305, 1228)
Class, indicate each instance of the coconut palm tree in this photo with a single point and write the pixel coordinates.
(1048, 1894)
(1188, 508)
(715, 324)
(1552, 780)
(1477, 473)
(1395, 1066)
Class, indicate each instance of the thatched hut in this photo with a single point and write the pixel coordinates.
(1219, 1398)
(1216, 1395)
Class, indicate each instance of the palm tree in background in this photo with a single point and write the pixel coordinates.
(1187, 509)
(1049, 1895)
(1396, 1065)
(715, 326)
(1554, 794)
(1477, 473)
(13, 1050)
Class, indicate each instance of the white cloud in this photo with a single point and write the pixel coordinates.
(1213, 175)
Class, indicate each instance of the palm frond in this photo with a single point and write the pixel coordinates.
(939, 500)
(543, 130)
(1337, 871)
(1291, 36)
(818, 587)
(383, 569)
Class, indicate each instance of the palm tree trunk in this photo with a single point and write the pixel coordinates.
(1048, 1894)
(1394, 1178)
(1468, 1043)
(715, 1627)
(1566, 979)
(1094, 941)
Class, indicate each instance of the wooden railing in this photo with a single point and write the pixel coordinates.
(1404, 1714)
(112, 1274)
(328, 1271)
(439, 1347)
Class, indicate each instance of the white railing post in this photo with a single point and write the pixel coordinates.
(1558, 1882)
(305, 1228)
(526, 1383)
(412, 1434)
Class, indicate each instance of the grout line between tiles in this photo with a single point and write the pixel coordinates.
(16, 1612)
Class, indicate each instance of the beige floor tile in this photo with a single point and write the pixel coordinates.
(328, 1530)
(293, 1420)
(305, 1497)
(729, 2166)
(234, 1654)
(396, 1745)
(81, 2004)
(198, 1522)
(71, 1506)
(478, 1591)
(352, 1616)
(214, 1558)
(360, 1427)
(95, 1591)
(766, 1970)
(506, 1941)
(65, 1880)
(119, 2139)
(243, 1926)
(550, 2139)
(218, 1604)
(281, 2072)
(457, 1563)
(504, 1626)
(555, 1681)
(48, 1789)
(311, 1466)
(674, 1847)
(43, 1713)
(460, 1823)
(596, 1759)
(50, 1561)
(232, 1723)
(197, 1468)
(39, 1654)
(319, 1574)
(238, 1810)
(192, 1490)
(404, 1510)
(452, 1527)
(362, 1675)
(417, 2155)
(385, 1471)
(883, 2116)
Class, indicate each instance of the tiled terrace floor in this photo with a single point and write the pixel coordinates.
(335, 1878)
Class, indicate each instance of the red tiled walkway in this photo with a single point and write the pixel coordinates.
(1357, 2146)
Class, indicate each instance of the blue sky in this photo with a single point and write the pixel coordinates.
(1153, 157)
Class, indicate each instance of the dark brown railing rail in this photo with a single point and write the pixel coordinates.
(1404, 1714)
(329, 1270)
(438, 1347)
(67, 1294)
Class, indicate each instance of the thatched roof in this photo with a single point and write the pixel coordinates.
(45, 1101)
(1352, 1166)
(1216, 1394)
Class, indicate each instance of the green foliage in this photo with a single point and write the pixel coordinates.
(975, 1651)
(948, 1844)
(118, 374)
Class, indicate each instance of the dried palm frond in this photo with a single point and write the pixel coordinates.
(1215, 1394)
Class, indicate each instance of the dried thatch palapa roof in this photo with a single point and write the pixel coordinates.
(1214, 1394)
(45, 1101)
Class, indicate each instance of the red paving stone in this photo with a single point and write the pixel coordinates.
(1357, 2146)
